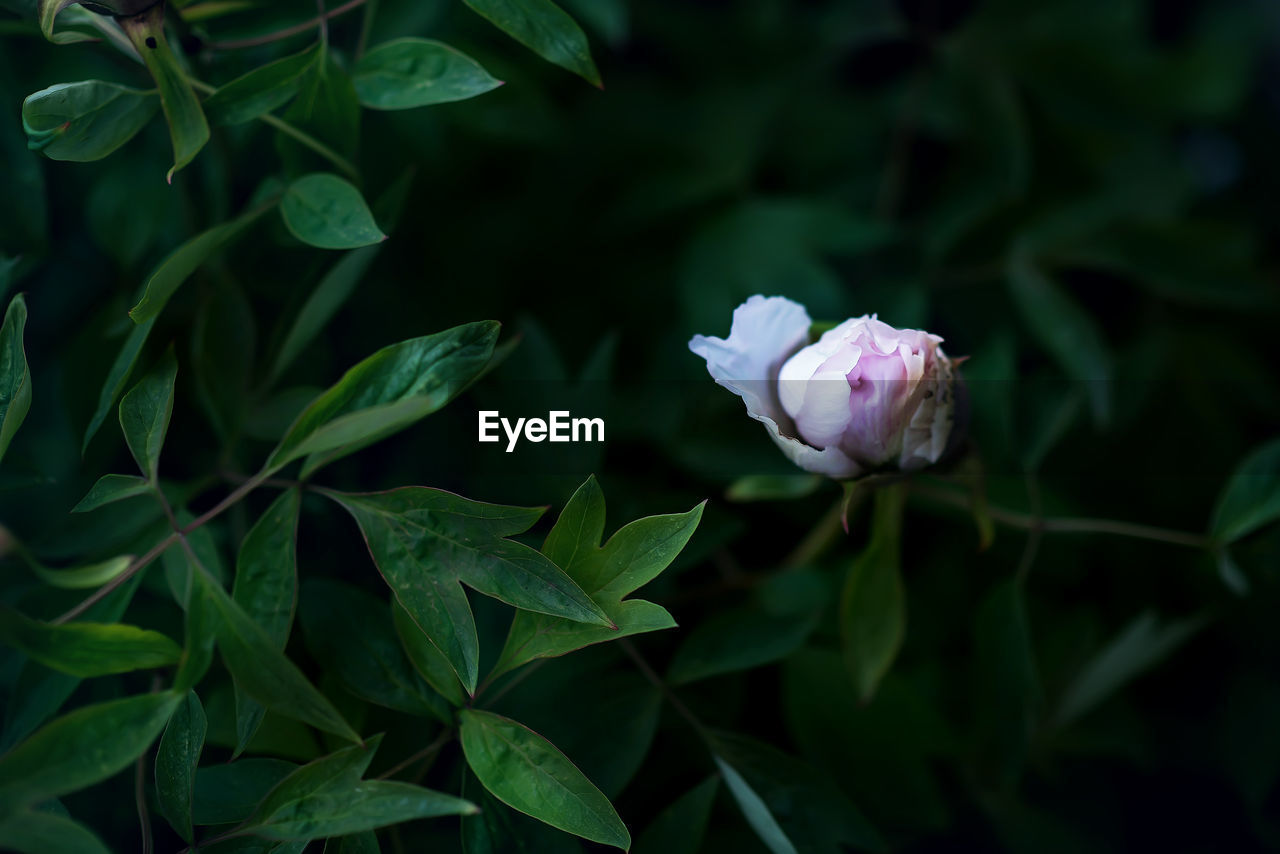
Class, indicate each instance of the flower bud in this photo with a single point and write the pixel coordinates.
(864, 397)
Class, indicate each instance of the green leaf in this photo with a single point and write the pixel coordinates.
(111, 488)
(427, 543)
(773, 487)
(809, 810)
(1007, 690)
(118, 374)
(755, 810)
(81, 577)
(15, 377)
(1144, 643)
(145, 413)
(85, 121)
(328, 798)
(87, 649)
(176, 763)
(872, 602)
(370, 663)
(430, 662)
(266, 587)
(325, 211)
(783, 613)
(1064, 330)
(322, 304)
(38, 692)
(1251, 497)
(385, 393)
(410, 72)
(39, 832)
(544, 28)
(261, 90)
(174, 270)
(328, 109)
(633, 557)
(263, 672)
(79, 749)
(365, 842)
(679, 828)
(188, 129)
(199, 634)
(526, 772)
(228, 794)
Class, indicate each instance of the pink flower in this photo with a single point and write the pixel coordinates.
(865, 396)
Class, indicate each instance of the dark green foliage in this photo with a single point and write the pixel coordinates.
(282, 609)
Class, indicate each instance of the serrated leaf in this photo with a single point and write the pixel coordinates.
(40, 832)
(266, 587)
(525, 771)
(87, 649)
(545, 29)
(370, 663)
(111, 488)
(328, 798)
(264, 673)
(1251, 497)
(228, 794)
(188, 129)
(144, 414)
(783, 613)
(85, 121)
(632, 557)
(176, 762)
(324, 211)
(1144, 643)
(412, 72)
(15, 377)
(385, 393)
(872, 602)
(79, 749)
(118, 374)
(427, 543)
(1065, 330)
(174, 271)
(261, 90)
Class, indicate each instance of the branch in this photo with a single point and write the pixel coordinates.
(278, 35)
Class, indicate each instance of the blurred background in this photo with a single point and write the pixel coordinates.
(1083, 196)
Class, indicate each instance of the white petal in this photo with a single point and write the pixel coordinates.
(766, 332)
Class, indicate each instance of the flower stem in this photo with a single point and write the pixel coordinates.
(290, 130)
(179, 535)
(1068, 524)
(278, 35)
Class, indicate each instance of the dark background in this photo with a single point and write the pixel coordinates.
(898, 157)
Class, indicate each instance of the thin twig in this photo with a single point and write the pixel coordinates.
(820, 538)
(302, 137)
(268, 38)
(513, 682)
(1069, 524)
(156, 550)
(663, 687)
(140, 796)
(445, 736)
(129, 571)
